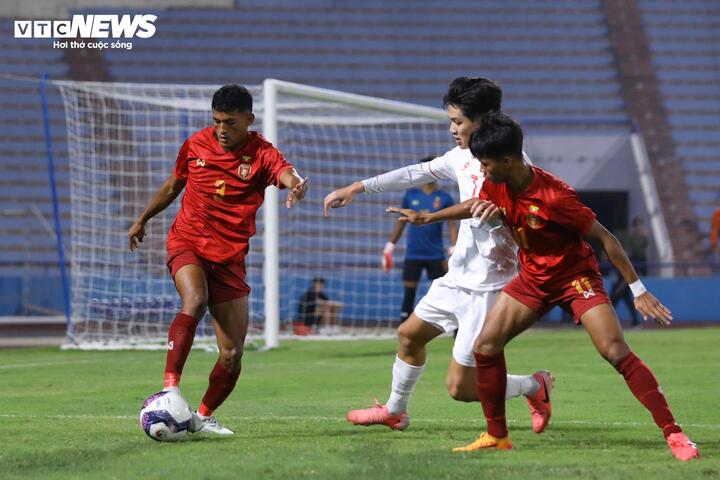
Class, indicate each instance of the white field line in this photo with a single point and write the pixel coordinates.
(64, 362)
(281, 419)
(46, 364)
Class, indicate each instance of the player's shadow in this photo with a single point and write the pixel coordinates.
(210, 438)
(319, 434)
(351, 354)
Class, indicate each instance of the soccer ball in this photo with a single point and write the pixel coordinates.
(165, 417)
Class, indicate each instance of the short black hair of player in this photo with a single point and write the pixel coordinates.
(474, 96)
(232, 98)
(498, 136)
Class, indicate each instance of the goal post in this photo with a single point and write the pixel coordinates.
(271, 89)
(122, 141)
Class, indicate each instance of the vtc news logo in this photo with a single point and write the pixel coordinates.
(88, 26)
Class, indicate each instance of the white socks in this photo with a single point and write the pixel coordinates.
(404, 379)
(520, 385)
(406, 376)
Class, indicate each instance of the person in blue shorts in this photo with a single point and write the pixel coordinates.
(425, 249)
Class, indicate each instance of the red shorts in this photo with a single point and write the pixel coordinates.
(226, 281)
(577, 295)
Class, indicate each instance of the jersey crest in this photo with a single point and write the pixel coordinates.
(532, 220)
(244, 170)
(200, 162)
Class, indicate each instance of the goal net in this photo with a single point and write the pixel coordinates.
(123, 140)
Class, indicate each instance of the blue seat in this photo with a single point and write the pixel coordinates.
(704, 180)
(702, 165)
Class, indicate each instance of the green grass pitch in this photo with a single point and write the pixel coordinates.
(74, 414)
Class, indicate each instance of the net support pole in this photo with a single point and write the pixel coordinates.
(652, 204)
(56, 209)
(271, 235)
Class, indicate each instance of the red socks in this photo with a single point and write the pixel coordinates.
(491, 385)
(492, 379)
(180, 340)
(645, 387)
(222, 383)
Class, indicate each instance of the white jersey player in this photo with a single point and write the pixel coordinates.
(484, 261)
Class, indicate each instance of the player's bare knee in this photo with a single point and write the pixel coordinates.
(231, 358)
(614, 351)
(195, 304)
(406, 340)
(487, 345)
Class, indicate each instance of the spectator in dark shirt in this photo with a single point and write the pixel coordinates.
(316, 311)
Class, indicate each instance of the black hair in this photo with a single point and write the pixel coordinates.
(498, 136)
(232, 98)
(474, 96)
(318, 280)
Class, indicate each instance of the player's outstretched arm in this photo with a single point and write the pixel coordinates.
(645, 302)
(165, 195)
(342, 197)
(459, 211)
(296, 185)
(392, 181)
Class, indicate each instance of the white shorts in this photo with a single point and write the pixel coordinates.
(449, 307)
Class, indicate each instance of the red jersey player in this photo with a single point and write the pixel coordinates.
(224, 170)
(557, 267)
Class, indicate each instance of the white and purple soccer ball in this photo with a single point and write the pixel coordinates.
(165, 417)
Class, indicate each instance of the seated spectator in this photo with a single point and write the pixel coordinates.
(316, 312)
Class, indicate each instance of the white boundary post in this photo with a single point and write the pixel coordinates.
(271, 240)
(652, 204)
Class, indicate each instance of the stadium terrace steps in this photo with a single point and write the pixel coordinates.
(684, 44)
(24, 176)
(406, 52)
(641, 82)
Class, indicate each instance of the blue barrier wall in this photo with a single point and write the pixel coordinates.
(690, 299)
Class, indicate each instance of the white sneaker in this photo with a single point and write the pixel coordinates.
(208, 425)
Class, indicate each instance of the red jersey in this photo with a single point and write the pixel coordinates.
(222, 194)
(548, 223)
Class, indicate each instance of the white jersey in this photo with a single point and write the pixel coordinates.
(485, 256)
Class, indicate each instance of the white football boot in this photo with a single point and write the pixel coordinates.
(208, 425)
